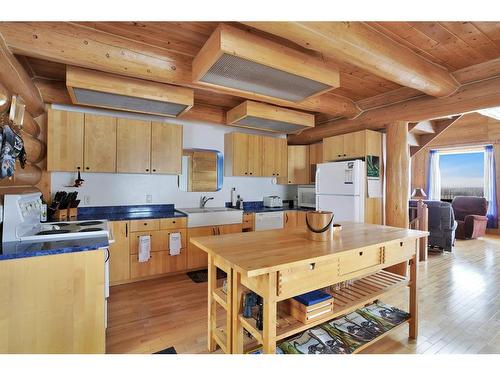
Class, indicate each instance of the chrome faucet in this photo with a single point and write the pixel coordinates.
(204, 200)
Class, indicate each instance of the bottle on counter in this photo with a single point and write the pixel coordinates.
(43, 210)
(234, 197)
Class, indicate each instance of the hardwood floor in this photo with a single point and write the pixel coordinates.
(459, 308)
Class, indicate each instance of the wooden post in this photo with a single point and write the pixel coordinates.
(212, 308)
(398, 181)
(423, 223)
(236, 303)
(413, 324)
(270, 311)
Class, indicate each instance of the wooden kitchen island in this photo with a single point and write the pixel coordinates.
(281, 264)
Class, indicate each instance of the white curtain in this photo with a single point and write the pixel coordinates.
(490, 190)
(434, 188)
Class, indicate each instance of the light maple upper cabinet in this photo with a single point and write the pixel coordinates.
(166, 148)
(274, 159)
(64, 140)
(133, 146)
(346, 146)
(99, 143)
(243, 154)
(315, 158)
(298, 166)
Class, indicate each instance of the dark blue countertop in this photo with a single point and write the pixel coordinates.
(136, 212)
(258, 206)
(14, 250)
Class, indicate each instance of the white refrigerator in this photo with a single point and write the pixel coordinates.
(340, 188)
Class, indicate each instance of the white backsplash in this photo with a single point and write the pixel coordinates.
(111, 189)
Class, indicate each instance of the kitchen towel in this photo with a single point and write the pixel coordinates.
(144, 248)
(174, 243)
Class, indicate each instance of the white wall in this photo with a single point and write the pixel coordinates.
(103, 189)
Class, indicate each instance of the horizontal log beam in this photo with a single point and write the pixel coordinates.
(77, 45)
(17, 81)
(469, 98)
(359, 44)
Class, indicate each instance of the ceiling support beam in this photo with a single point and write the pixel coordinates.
(439, 126)
(18, 82)
(398, 181)
(359, 44)
(77, 45)
(468, 98)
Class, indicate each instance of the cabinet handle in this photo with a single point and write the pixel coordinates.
(173, 222)
(154, 170)
(286, 218)
(78, 168)
(273, 174)
(213, 231)
(246, 173)
(345, 155)
(312, 266)
(360, 253)
(126, 229)
(87, 168)
(289, 182)
(147, 170)
(277, 174)
(145, 223)
(250, 172)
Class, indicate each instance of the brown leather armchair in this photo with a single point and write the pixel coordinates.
(470, 213)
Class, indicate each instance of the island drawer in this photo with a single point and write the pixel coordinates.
(159, 239)
(140, 225)
(400, 251)
(304, 278)
(173, 223)
(358, 260)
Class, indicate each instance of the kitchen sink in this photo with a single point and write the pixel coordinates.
(202, 217)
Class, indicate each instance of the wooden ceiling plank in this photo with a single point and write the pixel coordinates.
(365, 47)
(440, 126)
(491, 30)
(72, 44)
(468, 98)
(16, 80)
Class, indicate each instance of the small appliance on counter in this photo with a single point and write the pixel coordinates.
(273, 201)
(306, 196)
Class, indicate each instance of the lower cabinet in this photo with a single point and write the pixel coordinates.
(289, 219)
(197, 258)
(119, 257)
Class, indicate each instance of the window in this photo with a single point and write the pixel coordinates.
(462, 173)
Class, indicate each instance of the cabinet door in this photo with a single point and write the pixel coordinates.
(64, 140)
(119, 256)
(269, 154)
(280, 157)
(354, 144)
(133, 146)
(166, 148)
(229, 228)
(239, 147)
(301, 218)
(100, 143)
(156, 265)
(254, 156)
(197, 258)
(333, 148)
(289, 219)
(298, 165)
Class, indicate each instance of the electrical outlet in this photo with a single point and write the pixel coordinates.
(149, 198)
(86, 199)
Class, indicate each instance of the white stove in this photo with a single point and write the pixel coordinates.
(21, 222)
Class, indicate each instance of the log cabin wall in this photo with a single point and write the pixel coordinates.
(15, 80)
(472, 130)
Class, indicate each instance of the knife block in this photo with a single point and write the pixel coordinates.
(66, 214)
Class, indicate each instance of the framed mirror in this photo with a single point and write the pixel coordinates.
(202, 170)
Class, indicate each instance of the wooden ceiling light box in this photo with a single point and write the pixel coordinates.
(268, 117)
(243, 62)
(98, 89)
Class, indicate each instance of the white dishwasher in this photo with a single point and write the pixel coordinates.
(268, 220)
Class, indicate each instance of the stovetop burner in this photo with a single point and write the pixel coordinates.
(90, 230)
(87, 223)
(54, 231)
(61, 224)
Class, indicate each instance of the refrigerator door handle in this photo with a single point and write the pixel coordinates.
(316, 178)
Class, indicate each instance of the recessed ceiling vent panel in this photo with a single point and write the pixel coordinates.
(269, 117)
(104, 90)
(243, 62)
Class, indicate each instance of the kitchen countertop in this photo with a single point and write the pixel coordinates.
(136, 212)
(275, 209)
(15, 249)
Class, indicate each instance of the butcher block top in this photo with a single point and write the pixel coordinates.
(257, 253)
